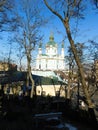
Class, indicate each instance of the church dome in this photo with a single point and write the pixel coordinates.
(51, 41)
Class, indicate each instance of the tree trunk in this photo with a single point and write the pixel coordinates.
(27, 81)
(30, 77)
(69, 84)
(80, 67)
(32, 88)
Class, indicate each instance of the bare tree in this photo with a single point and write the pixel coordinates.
(28, 32)
(96, 3)
(8, 20)
(71, 9)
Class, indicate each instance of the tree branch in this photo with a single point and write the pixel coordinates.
(53, 11)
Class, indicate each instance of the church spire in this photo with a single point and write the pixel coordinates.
(40, 48)
(62, 44)
(40, 45)
(51, 38)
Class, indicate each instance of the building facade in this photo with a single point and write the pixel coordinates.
(4, 66)
(51, 60)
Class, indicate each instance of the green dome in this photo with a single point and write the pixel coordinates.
(51, 41)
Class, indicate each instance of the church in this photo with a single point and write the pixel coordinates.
(51, 60)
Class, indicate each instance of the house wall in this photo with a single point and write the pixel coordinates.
(43, 90)
(50, 90)
(6, 66)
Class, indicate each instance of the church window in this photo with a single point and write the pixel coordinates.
(46, 65)
(43, 93)
(38, 91)
(39, 66)
(57, 93)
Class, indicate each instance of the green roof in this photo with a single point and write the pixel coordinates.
(44, 55)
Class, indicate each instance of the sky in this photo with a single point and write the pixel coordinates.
(87, 30)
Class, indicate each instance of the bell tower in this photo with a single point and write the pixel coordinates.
(62, 50)
(40, 48)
